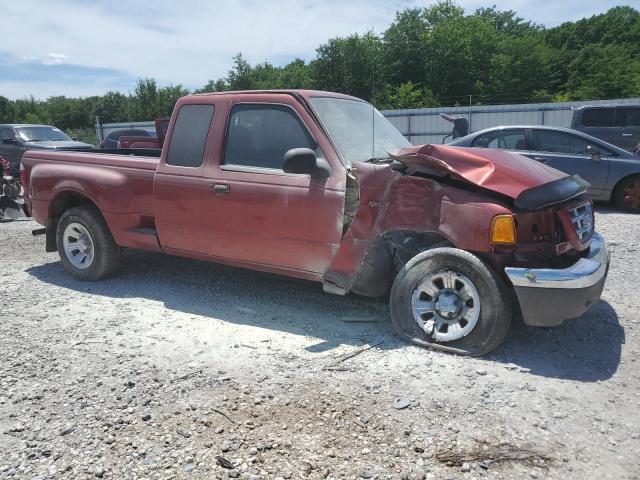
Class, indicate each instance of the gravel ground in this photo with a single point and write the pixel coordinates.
(183, 369)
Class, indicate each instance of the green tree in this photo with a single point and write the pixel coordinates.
(351, 65)
(442, 11)
(212, 86)
(113, 107)
(604, 71)
(461, 52)
(167, 98)
(239, 77)
(405, 48)
(519, 68)
(144, 104)
(405, 95)
(6, 110)
(296, 74)
(507, 21)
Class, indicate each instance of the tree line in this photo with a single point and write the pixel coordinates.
(427, 57)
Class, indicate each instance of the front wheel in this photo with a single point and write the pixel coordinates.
(87, 249)
(450, 299)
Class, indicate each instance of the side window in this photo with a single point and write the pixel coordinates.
(6, 134)
(260, 135)
(559, 142)
(190, 136)
(628, 117)
(503, 139)
(597, 117)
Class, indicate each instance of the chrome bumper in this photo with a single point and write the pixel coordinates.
(549, 296)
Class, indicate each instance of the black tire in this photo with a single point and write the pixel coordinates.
(620, 196)
(106, 256)
(495, 301)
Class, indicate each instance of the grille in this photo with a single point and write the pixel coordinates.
(582, 221)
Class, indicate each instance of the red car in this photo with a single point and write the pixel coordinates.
(321, 186)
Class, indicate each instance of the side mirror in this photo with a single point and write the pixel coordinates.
(9, 141)
(594, 152)
(304, 160)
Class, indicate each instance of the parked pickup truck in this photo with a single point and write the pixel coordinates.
(321, 186)
(138, 141)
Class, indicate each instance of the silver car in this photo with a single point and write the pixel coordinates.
(614, 173)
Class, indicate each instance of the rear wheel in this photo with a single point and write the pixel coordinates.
(448, 298)
(627, 194)
(85, 245)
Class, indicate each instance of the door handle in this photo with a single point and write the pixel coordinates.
(627, 134)
(220, 188)
(541, 159)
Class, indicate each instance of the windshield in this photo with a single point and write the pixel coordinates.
(359, 131)
(42, 134)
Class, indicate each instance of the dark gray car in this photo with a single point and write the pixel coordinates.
(614, 173)
(16, 139)
(615, 124)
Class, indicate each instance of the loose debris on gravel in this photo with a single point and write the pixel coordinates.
(486, 453)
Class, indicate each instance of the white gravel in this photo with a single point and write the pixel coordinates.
(132, 377)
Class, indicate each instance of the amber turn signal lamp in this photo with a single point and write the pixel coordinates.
(503, 230)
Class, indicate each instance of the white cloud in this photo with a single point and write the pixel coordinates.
(192, 41)
(55, 59)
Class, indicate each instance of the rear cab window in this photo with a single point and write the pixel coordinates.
(189, 136)
(259, 135)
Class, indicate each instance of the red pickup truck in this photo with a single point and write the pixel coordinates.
(321, 186)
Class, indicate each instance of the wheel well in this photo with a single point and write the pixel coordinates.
(388, 253)
(614, 192)
(633, 175)
(63, 202)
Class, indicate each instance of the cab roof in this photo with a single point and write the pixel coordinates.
(306, 94)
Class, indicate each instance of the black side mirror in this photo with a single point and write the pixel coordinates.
(304, 160)
(9, 141)
(594, 152)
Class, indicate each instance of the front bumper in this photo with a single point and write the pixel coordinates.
(548, 296)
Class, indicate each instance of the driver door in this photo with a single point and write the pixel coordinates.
(257, 213)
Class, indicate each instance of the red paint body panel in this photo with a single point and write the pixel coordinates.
(289, 224)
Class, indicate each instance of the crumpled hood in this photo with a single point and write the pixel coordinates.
(503, 172)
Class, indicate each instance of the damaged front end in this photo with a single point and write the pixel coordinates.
(437, 195)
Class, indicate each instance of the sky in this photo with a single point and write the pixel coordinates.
(81, 48)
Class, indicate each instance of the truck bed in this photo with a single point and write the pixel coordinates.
(119, 182)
